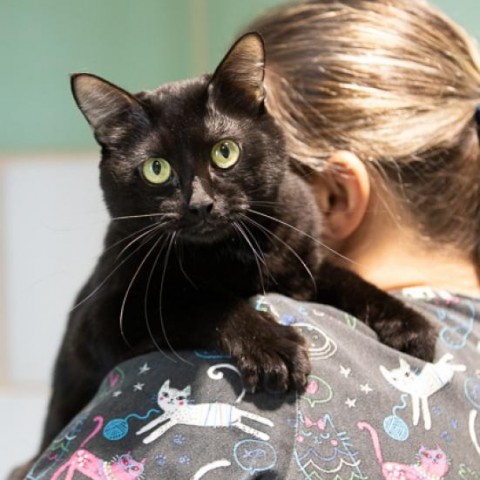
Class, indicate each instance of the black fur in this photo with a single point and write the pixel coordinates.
(187, 285)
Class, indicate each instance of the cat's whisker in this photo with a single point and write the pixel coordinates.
(145, 300)
(316, 240)
(162, 282)
(150, 226)
(259, 250)
(132, 281)
(258, 259)
(265, 203)
(153, 229)
(180, 252)
(297, 256)
(254, 240)
(242, 229)
(124, 239)
(143, 215)
(105, 280)
(147, 234)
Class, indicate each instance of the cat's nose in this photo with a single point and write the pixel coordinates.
(200, 209)
(201, 203)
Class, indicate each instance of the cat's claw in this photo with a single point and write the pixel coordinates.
(274, 358)
(415, 337)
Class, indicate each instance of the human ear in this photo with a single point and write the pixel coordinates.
(343, 194)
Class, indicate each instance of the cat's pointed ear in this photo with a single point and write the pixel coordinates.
(404, 364)
(166, 384)
(107, 108)
(187, 391)
(239, 77)
(384, 371)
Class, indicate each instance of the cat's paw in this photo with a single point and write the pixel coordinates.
(410, 333)
(272, 357)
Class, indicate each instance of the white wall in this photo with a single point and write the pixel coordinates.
(52, 222)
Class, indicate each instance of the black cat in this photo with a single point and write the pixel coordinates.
(206, 212)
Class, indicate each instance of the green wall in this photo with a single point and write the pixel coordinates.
(41, 42)
(465, 12)
(135, 43)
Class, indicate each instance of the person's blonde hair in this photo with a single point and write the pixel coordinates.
(394, 81)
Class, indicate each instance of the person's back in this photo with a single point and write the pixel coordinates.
(367, 411)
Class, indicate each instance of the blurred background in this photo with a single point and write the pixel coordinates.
(52, 218)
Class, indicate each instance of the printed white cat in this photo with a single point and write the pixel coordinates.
(432, 378)
(177, 411)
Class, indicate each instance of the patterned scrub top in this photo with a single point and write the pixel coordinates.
(368, 411)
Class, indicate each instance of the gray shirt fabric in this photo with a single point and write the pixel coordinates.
(368, 412)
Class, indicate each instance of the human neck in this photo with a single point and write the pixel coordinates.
(394, 268)
(393, 257)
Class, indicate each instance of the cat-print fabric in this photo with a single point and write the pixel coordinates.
(368, 412)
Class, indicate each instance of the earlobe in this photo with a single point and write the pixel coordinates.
(343, 194)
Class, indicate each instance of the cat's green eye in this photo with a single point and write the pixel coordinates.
(156, 171)
(225, 153)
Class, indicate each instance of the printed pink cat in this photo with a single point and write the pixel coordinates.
(432, 463)
(121, 467)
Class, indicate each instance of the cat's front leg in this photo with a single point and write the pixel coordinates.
(265, 351)
(152, 424)
(427, 419)
(396, 324)
(415, 409)
(158, 432)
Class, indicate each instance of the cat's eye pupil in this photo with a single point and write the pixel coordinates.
(156, 167)
(224, 150)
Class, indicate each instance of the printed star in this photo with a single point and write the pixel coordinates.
(366, 388)
(117, 393)
(143, 369)
(350, 402)
(345, 371)
(139, 386)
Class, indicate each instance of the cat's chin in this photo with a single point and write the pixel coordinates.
(206, 235)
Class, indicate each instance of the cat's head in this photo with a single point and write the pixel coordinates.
(125, 467)
(401, 377)
(194, 155)
(170, 399)
(433, 461)
(329, 444)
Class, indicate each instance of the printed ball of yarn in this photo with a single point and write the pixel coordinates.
(396, 428)
(472, 391)
(115, 429)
